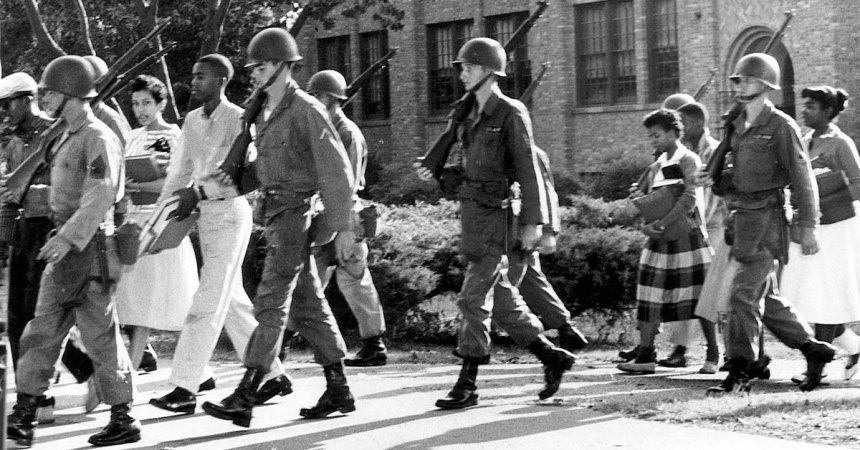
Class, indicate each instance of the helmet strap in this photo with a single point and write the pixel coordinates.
(59, 111)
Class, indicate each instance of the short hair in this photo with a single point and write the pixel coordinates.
(222, 66)
(695, 110)
(827, 97)
(664, 118)
(153, 85)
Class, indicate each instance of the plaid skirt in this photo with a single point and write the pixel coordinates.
(670, 277)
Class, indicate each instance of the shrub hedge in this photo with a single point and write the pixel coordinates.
(418, 271)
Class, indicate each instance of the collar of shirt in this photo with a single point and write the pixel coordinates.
(222, 106)
(762, 119)
(78, 120)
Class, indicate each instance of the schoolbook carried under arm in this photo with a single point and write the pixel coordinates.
(160, 233)
(142, 168)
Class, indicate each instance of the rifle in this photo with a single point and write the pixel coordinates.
(359, 82)
(243, 174)
(129, 56)
(703, 89)
(721, 175)
(435, 158)
(119, 81)
(527, 94)
(301, 19)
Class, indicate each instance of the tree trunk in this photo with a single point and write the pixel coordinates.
(216, 13)
(85, 24)
(43, 38)
(148, 11)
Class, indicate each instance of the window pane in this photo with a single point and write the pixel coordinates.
(443, 42)
(623, 43)
(664, 48)
(375, 92)
(592, 56)
(334, 55)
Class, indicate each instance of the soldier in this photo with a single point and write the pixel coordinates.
(353, 277)
(766, 156)
(224, 227)
(76, 285)
(299, 155)
(497, 145)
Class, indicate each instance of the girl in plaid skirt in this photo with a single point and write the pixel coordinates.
(676, 256)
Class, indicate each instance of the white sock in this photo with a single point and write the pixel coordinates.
(848, 341)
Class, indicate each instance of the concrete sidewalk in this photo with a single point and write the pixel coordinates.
(395, 411)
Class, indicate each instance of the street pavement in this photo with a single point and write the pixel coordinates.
(395, 411)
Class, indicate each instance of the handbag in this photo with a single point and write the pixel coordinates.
(835, 200)
(656, 205)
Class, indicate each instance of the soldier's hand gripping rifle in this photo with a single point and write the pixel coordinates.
(434, 160)
(716, 168)
(361, 80)
(234, 165)
(19, 180)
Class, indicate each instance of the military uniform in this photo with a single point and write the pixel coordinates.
(84, 179)
(497, 151)
(298, 154)
(768, 156)
(353, 276)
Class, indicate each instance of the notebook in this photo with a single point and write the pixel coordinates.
(160, 233)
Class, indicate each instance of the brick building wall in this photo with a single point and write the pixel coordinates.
(821, 44)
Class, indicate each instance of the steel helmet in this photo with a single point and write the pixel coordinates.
(329, 82)
(70, 75)
(17, 84)
(272, 44)
(760, 66)
(100, 67)
(675, 101)
(484, 52)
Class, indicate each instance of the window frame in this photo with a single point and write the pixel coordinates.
(663, 62)
(614, 45)
(519, 67)
(441, 74)
(376, 93)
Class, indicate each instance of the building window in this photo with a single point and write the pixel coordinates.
(334, 55)
(663, 48)
(519, 68)
(443, 42)
(605, 52)
(375, 103)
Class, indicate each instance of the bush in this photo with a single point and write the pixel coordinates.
(418, 271)
(615, 175)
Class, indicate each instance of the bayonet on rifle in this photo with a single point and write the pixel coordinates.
(526, 97)
(703, 89)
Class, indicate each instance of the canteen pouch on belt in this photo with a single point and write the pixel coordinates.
(127, 240)
(368, 218)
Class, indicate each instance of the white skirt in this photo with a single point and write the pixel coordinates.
(825, 287)
(158, 290)
(717, 289)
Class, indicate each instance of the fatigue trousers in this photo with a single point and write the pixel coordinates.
(290, 283)
(25, 275)
(755, 301)
(536, 291)
(220, 302)
(505, 305)
(356, 285)
(44, 335)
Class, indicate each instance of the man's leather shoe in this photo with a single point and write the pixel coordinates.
(571, 339)
(207, 385)
(122, 428)
(178, 401)
(372, 353)
(148, 363)
(673, 361)
(458, 399)
(280, 385)
(629, 355)
(817, 354)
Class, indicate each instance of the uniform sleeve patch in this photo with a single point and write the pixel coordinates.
(98, 168)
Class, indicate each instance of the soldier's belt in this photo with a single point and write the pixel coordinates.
(468, 191)
(755, 200)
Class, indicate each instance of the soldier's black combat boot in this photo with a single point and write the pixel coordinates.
(372, 353)
(336, 397)
(238, 405)
(22, 421)
(121, 429)
(555, 361)
(570, 338)
(817, 354)
(281, 385)
(737, 381)
(464, 394)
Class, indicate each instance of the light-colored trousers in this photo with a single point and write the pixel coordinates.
(220, 301)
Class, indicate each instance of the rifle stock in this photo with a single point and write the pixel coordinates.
(434, 159)
(703, 89)
(362, 79)
(301, 19)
